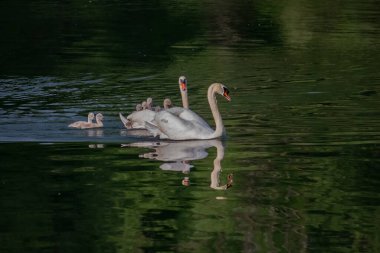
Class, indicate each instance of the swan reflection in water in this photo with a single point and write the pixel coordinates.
(178, 155)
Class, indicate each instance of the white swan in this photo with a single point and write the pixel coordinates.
(78, 124)
(136, 120)
(87, 125)
(187, 125)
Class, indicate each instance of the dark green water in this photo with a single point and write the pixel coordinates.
(303, 126)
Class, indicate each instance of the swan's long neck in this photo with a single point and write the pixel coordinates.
(185, 100)
(219, 128)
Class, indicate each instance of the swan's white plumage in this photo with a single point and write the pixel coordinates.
(136, 120)
(184, 124)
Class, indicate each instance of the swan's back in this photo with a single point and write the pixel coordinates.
(189, 115)
(138, 118)
(176, 127)
(184, 124)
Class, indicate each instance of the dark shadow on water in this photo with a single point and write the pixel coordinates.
(82, 37)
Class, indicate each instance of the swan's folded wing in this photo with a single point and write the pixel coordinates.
(137, 119)
(188, 115)
(177, 128)
(168, 122)
(191, 116)
(175, 110)
(168, 126)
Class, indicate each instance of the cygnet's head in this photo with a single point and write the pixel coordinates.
(99, 116)
(167, 103)
(143, 104)
(149, 102)
(91, 116)
(139, 107)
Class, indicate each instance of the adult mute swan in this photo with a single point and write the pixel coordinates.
(78, 124)
(137, 119)
(187, 125)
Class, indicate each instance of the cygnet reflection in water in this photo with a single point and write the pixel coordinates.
(177, 157)
(96, 145)
(95, 133)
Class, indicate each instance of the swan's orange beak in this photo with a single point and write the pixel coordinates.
(227, 97)
(183, 86)
(226, 94)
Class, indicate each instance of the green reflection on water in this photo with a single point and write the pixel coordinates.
(72, 198)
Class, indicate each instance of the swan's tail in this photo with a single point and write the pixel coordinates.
(123, 119)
